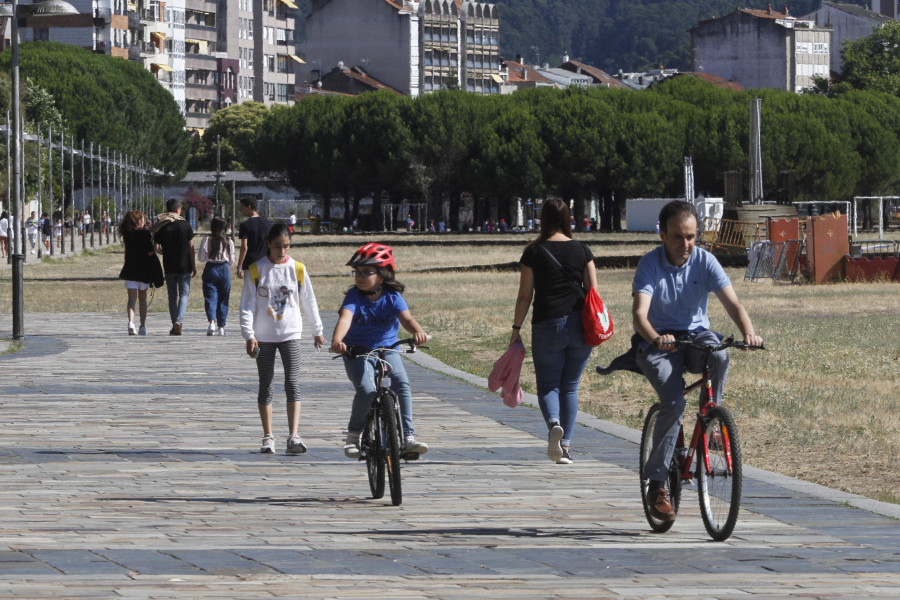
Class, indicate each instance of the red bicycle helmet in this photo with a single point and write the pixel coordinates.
(373, 255)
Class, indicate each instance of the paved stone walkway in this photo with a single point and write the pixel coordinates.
(129, 469)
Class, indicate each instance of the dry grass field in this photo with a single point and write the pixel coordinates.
(821, 404)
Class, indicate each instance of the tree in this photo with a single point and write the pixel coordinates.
(109, 101)
(873, 62)
(234, 128)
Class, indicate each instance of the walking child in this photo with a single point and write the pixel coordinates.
(275, 293)
(370, 316)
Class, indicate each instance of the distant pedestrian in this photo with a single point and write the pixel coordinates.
(46, 230)
(276, 291)
(252, 234)
(31, 224)
(141, 269)
(174, 239)
(217, 251)
(4, 234)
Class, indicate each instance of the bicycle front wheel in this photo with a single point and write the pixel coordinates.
(390, 423)
(371, 445)
(673, 482)
(719, 474)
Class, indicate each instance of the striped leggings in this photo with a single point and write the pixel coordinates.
(265, 364)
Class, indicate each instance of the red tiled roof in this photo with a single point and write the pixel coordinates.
(717, 81)
(515, 73)
(765, 14)
(363, 77)
(598, 75)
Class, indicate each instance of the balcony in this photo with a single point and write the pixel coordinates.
(102, 17)
(148, 15)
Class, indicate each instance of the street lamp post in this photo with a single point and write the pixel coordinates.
(47, 7)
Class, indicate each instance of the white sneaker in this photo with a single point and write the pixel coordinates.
(411, 446)
(554, 450)
(268, 445)
(295, 445)
(132, 330)
(351, 444)
(142, 330)
(211, 330)
(221, 331)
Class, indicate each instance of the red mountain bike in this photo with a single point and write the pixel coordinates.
(717, 449)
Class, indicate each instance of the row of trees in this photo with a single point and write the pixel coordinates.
(577, 144)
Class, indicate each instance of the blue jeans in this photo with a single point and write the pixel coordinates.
(560, 355)
(216, 292)
(665, 371)
(361, 372)
(179, 287)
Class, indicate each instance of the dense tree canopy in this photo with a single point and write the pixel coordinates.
(873, 62)
(108, 101)
(229, 138)
(578, 144)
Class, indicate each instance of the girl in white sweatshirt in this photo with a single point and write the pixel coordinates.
(274, 295)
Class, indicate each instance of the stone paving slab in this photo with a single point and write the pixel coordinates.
(129, 468)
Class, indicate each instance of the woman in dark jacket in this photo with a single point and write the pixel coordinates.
(141, 269)
(555, 272)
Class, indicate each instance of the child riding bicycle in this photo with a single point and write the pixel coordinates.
(370, 316)
(670, 293)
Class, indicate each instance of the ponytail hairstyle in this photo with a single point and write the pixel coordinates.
(217, 237)
(130, 222)
(555, 217)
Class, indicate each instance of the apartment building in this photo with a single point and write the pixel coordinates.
(848, 22)
(414, 47)
(259, 35)
(762, 49)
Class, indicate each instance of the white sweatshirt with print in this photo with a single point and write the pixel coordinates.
(271, 311)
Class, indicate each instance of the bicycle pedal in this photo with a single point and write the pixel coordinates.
(410, 456)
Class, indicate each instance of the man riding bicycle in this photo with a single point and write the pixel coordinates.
(670, 291)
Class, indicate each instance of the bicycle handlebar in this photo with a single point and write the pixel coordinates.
(357, 351)
(728, 342)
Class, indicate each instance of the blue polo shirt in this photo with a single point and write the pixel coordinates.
(374, 324)
(679, 295)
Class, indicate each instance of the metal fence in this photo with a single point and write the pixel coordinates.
(778, 261)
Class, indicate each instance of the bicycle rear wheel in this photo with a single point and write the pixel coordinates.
(390, 423)
(719, 474)
(673, 482)
(371, 445)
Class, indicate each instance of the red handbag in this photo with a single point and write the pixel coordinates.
(598, 324)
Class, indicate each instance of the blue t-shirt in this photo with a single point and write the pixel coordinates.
(679, 295)
(374, 323)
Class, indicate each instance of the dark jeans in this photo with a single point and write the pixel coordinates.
(216, 292)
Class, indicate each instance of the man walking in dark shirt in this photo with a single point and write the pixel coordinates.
(252, 234)
(174, 239)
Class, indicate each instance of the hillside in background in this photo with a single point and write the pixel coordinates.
(631, 35)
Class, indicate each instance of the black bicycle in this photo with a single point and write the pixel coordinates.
(381, 445)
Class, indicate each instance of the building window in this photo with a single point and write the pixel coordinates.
(270, 62)
(283, 92)
(820, 48)
(803, 48)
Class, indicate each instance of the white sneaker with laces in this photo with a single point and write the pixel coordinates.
(132, 330)
(268, 445)
(211, 330)
(295, 445)
(221, 331)
(351, 444)
(410, 445)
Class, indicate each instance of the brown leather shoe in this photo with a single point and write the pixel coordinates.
(660, 507)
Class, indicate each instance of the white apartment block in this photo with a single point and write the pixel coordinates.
(762, 49)
(209, 54)
(414, 47)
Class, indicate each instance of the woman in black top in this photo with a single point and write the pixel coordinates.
(555, 272)
(141, 269)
